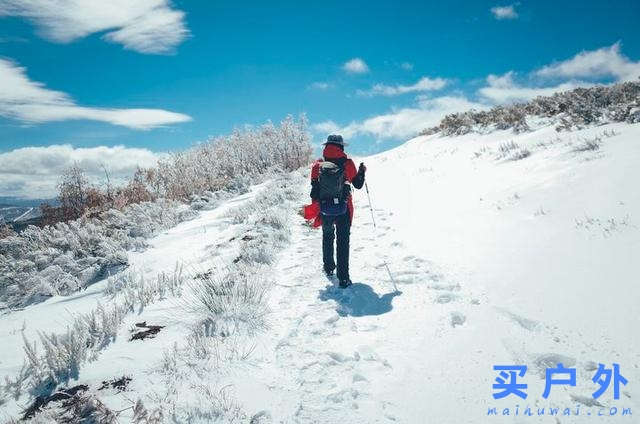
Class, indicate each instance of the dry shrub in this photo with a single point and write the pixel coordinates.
(570, 109)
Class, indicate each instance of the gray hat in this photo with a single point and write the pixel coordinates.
(335, 139)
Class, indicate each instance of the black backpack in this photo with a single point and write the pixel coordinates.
(331, 181)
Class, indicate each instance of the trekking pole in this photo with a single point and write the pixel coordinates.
(370, 207)
(391, 277)
(393, 281)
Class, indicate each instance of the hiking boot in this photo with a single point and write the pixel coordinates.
(345, 283)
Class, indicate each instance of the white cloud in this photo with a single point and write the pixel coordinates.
(33, 172)
(405, 122)
(504, 12)
(407, 66)
(590, 65)
(146, 26)
(31, 102)
(603, 62)
(319, 85)
(424, 84)
(499, 89)
(356, 66)
(327, 127)
(503, 89)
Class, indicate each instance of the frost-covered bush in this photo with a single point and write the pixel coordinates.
(235, 300)
(570, 109)
(53, 359)
(227, 306)
(85, 407)
(211, 200)
(58, 357)
(512, 151)
(521, 153)
(205, 407)
(278, 220)
(507, 147)
(71, 253)
(138, 291)
(206, 402)
(233, 162)
(240, 213)
(591, 144)
(78, 197)
(229, 303)
(5, 230)
(267, 220)
(60, 259)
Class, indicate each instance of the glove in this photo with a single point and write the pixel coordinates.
(362, 168)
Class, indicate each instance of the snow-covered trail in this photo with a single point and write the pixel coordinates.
(366, 353)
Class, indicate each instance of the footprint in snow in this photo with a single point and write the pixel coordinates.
(447, 287)
(446, 298)
(526, 323)
(358, 378)
(551, 360)
(586, 400)
(590, 366)
(339, 357)
(457, 318)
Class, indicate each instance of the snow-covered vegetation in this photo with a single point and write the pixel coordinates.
(6, 231)
(56, 358)
(93, 228)
(572, 109)
(219, 307)
(231, 161)
(62, 258)
(234, 300)
(226, 307)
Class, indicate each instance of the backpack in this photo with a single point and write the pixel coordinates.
(331, 190)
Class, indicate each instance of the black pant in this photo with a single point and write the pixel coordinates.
(342, 225)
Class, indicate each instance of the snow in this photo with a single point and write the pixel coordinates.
(511, 233)
(499, 258)
(24, 215)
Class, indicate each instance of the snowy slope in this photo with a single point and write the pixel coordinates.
(548, 245)
(531, 261)
(500, 257)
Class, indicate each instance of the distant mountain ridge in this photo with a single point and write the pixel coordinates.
(19, 212)
(9, 201)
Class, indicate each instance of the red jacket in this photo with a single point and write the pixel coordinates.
(330, 151)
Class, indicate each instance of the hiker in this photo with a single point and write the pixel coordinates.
(331, 204)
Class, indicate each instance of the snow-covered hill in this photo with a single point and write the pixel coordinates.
(538, 235)
(506, 250)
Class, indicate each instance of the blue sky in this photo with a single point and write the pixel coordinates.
(202, 68)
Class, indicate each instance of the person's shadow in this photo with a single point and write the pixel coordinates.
(358, 300)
